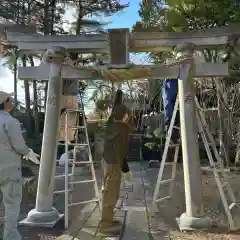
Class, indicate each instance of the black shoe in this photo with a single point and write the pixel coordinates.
(154, 164)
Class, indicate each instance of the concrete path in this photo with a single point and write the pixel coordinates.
(137, 224)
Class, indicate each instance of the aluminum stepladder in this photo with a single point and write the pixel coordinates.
(215, 167)
(70, 182)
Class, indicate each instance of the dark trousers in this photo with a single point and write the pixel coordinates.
(125, 167)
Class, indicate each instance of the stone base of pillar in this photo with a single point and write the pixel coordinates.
(187, 223)
(42, 219)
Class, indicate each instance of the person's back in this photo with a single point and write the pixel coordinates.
(117, 131)
(9, 157)
(115, 149)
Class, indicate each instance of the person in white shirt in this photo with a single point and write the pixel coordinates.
(12, 149)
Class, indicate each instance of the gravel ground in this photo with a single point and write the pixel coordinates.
(163, 224)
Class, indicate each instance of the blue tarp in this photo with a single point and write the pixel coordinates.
(169, 95)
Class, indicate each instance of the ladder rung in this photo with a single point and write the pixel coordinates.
(79, 127)
(62, 176)
(225, 184)
(83, 181)
(60, 191)
(211, 169)
(78, 144)
(166, 181)
(74, 144)
(83, 162)
(77, 163)
(74, 110)
(70, 160)
(232, 206)
(83, 202)
(162, 199)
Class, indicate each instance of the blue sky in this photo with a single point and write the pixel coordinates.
(124, 19)
(128, 17)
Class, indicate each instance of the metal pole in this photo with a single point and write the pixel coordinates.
(44, 214)
(194, 216)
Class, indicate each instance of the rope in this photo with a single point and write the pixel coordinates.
(118, 75)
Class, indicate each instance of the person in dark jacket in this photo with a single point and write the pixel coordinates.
(115, 150)
(169, 95)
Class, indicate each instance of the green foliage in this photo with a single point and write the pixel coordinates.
(11, 58)
(187, 15)
(156, 137)
(182, 15)
(150, 145)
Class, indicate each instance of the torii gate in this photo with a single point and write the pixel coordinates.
(123, 42)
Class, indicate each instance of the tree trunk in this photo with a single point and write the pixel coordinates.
(48, 22)
(223, 136)
(113, 91)
(35, 104)
(15, 86)
(35, 109)
(45, 94)
(27, 100)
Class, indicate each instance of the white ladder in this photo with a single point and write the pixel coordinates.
(69, 178)
(217, 168)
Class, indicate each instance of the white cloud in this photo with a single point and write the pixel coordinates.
(4, 72)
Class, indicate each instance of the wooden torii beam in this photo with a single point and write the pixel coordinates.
(138, 41)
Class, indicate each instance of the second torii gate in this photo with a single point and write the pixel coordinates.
(44, 214)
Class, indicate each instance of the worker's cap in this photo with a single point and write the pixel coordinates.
(4, 96)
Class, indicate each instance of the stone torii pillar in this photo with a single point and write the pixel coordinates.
(194, 216)
(44, 215)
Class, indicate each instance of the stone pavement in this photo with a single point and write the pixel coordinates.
(139, 222)
(131, 209)
(135, 205)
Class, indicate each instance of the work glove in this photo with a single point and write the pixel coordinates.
(32, 156)
(127, 176)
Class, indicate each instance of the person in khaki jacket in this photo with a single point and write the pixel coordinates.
(116, 145)
(12, 148)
